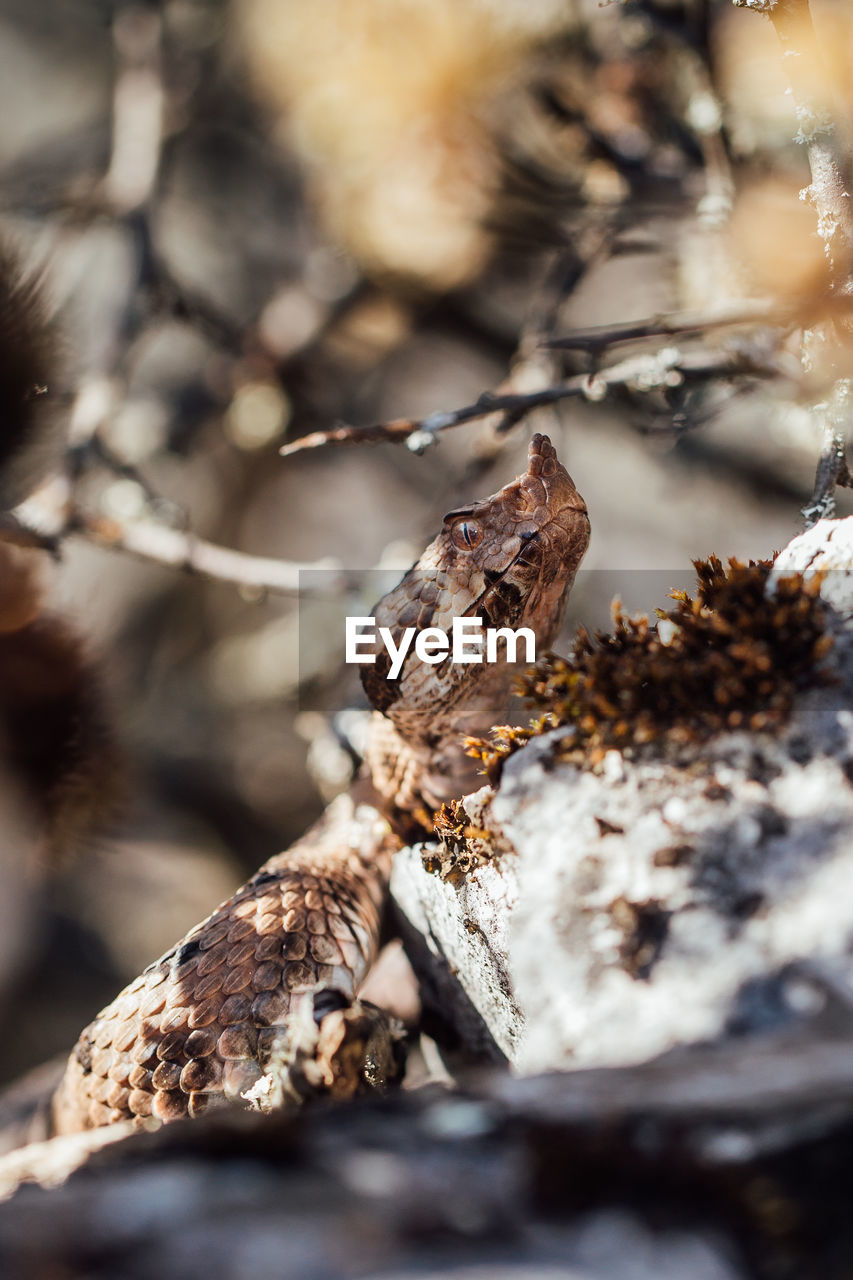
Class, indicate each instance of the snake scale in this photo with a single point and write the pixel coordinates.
(200, 1024)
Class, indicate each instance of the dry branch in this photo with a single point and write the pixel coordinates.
(830, 167)
(829, 195)
(666, 368)
(676, 323)
(20, 535)
(138, 110)
(533, 366)
(180, 549)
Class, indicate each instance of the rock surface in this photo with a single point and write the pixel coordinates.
(655, 903)
(720, 1163)
(456, 931)
(714, 1164)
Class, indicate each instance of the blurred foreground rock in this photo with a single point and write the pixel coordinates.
(656, 902)
(711, 1164)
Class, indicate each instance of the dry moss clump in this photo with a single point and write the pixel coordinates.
(463, 846)
(733, 657)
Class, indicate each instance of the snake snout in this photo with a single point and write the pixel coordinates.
(538, 451)
(544, 466)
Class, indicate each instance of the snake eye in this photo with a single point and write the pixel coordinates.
(467, 534)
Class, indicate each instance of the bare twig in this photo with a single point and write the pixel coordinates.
(832, 416)
(95, 404)
(138, 106)
(20, 535)
(178, 549)
(533, 368)
(829, 195)
(705, 117)
(829, 192)
(667, 368)
(748, 311)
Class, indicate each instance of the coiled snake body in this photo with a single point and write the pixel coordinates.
(201, 1023)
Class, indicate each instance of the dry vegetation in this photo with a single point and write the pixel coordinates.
(732, 657)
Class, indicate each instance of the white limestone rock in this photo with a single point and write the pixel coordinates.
(827, 546)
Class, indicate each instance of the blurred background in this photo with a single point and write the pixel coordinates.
(257, 219)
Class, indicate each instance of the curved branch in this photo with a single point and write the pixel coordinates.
(179, 549)
(666, 368)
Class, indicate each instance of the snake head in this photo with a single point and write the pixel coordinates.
(533, 534)
(509, 560)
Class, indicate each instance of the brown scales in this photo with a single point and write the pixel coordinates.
(198, 1024)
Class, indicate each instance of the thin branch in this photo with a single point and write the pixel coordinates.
(138, 110)
(829, 195)
(704, 112)
(833, 417)
(748, 311)
(533, 367)
(17, 534)
(829, 192)
(667, 368)
(679, 423)
(177, 549)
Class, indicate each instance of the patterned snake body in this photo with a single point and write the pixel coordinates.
(201, 1023)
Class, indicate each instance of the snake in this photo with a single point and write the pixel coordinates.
(201, 1025)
